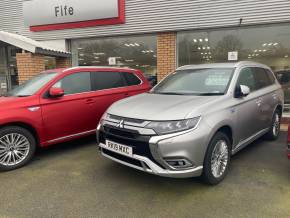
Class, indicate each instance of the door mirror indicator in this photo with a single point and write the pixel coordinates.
(242, 91)
(56, 92)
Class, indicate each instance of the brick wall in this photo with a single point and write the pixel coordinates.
(63, 62)
(29, 65)
(166, 54)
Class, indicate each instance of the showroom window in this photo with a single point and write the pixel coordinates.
(269, 45)
(138, 52)
(50, 62)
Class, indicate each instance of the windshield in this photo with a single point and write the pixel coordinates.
(210, 81)
(31, 86)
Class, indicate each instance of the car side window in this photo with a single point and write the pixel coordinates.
(107, 80)
(261, 77)
(271, 76)
(131, 79)
(75, 83)
(247, 78)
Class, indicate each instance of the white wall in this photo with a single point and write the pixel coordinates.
(57, 44)
(148, 16)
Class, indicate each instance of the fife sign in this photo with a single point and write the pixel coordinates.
(44, 15)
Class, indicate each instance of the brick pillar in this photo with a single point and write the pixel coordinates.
(166, 54)
(63, 62)
(29, 65)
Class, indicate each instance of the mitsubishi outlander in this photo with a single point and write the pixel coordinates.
(193, 121)
(60, 105)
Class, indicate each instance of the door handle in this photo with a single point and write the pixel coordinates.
(126, 94)
(90, 101)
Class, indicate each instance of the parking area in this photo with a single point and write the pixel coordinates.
(73, 180)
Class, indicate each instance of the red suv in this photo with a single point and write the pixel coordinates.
(60, 105)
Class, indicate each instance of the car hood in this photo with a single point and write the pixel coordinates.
(7, 103)
(161, 107)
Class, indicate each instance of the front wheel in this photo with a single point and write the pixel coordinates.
(274, 130)
(17, 147)
(217, 159)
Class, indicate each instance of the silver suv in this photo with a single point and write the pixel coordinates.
(193, 121)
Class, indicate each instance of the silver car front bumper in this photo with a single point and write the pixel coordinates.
(152, 168)
(189, 145)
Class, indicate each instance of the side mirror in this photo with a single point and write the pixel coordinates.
(56, 92)
(242, 91)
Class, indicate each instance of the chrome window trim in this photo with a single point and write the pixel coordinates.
(87, 92)
(95, 91)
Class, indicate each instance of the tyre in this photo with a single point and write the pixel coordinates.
(274, 131)
(17, 147)
(217, 159)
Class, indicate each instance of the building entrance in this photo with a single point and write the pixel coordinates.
(8, 67)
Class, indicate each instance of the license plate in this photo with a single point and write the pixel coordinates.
(118, 148)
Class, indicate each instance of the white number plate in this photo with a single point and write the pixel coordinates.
(118, 148)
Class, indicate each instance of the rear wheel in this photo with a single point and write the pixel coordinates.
(274, 131)
(17, 147)
(217, 159)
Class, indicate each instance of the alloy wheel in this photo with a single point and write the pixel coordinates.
(219, 159)
(14, 148)
(276, 124)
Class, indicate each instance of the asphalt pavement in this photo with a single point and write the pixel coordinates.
(74, 180)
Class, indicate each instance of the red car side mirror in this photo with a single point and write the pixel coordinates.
(56, 92)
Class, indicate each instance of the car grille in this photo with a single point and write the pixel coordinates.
(139, 143)
(121, 133)
(130, 120)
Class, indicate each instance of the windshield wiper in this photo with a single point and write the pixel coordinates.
(210, 94)
(193, 93)
(21, 96)
(168, 93)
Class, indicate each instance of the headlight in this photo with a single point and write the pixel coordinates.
(166, 127)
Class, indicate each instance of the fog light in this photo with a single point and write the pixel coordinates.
(179, 163)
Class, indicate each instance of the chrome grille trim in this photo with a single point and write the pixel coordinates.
(140, 130)
(127, 121)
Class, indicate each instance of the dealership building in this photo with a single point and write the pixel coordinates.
(155, 36)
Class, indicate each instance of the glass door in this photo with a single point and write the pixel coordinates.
(12, 73)
(3, 70)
